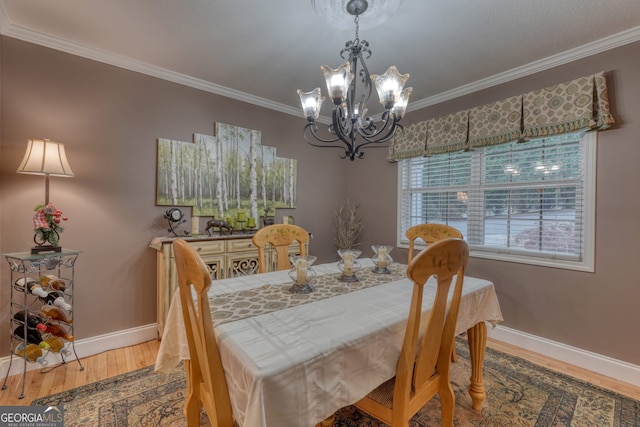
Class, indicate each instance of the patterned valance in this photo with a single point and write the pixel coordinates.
(601, 107)
(496, 123)
(447, 133)
(409, 143)
(581, 104)
(567, 107)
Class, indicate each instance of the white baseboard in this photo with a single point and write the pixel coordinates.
(612, 368)
(87, 347)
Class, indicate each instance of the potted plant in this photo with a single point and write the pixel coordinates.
(348, 225)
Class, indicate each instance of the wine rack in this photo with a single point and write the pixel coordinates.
(25, 307)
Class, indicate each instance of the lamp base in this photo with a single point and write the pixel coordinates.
(40, 249)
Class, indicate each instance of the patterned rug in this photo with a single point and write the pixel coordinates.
(519, 393)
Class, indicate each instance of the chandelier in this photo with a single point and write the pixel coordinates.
(350, 126)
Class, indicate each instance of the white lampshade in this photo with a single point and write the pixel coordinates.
(45, 157)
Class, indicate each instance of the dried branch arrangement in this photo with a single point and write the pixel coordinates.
(348, 226)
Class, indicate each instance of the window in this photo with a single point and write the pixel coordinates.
(531, 202)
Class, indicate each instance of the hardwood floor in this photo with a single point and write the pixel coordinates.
(119, 361)
(69, 375)
(568, 369)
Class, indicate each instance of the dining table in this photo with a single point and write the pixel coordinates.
(294, 359)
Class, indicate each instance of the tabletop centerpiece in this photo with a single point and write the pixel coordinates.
(349, 264)
(381, 259)
(302, 274)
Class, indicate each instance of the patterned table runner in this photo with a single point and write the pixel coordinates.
(268, 298)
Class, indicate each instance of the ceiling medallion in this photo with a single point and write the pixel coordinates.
(337, 14)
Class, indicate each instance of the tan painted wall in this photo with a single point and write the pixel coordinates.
(109, 120)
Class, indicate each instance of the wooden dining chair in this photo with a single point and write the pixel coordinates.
(279, 236)
(422, 374)
(206, 383)
(430, 233)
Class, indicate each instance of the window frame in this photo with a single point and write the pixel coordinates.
(586, 264)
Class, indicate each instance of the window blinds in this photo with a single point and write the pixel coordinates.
(516, 198)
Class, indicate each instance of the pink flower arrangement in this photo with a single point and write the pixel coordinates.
(46, 224)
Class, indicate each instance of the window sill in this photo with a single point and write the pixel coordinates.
(584, 266)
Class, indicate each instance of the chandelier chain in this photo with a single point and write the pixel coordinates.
(356, 20)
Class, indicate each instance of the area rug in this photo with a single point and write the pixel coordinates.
(519, 393)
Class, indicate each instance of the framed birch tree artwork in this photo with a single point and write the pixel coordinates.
(222, 174)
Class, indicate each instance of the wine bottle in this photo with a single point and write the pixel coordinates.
(33, 336)
(56, 345)
(56, 313)
(59, 331)
(51, 281)
(32, 352)
(56, 298)
(32, 320)
(32, 286)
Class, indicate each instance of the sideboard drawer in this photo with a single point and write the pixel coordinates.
(208, 247)
(240, 245)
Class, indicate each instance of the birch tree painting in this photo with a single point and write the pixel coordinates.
(223, 174)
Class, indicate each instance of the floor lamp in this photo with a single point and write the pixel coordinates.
(48, 158)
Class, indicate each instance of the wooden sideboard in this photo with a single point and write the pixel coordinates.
(225, 256)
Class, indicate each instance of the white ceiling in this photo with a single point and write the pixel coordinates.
(262, 51)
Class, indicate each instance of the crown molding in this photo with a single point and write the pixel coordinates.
(4, 19)
(28, 35)
(9, 29)
(607, 43)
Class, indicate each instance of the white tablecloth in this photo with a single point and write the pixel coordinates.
(296, 367)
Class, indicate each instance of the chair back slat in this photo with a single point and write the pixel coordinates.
(430, 233)
(280, 237)
(421, 363)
